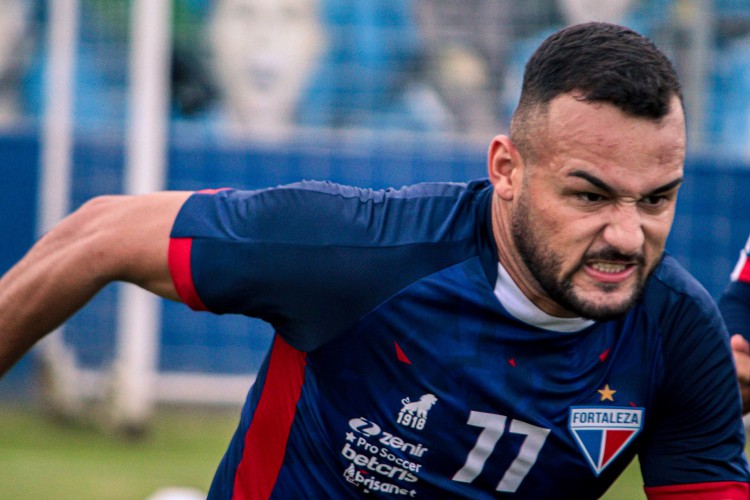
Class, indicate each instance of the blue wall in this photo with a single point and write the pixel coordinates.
(713, 221)
(18, 171)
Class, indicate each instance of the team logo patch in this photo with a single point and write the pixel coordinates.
(603, 433)
(414, 413)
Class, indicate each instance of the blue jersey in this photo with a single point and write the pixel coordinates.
(407, 364)
(735, 300)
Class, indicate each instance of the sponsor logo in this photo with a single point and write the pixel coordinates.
(360, 478)
(349, 473)
(388, 440)
(603, 433)
(364, 426)
(372, 464)
(413, 414)
(379, 461)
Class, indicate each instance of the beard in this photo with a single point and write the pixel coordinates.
(545, 266)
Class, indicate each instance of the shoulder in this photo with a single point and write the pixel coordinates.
(686, 318)
(326, 190)
(672, 291)
(321, 212)
(684, 315)
(437, 194)
(696, 398)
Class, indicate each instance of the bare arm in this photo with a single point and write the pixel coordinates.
(741, 352)
(110, 238)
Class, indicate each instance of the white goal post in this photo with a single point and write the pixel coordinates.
(132, 385)
(136, 359)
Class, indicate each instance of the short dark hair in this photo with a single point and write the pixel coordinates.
(600, 62)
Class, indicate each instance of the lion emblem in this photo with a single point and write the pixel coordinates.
(421, 407)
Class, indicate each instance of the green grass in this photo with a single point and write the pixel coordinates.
(629, 486)
(43, 459)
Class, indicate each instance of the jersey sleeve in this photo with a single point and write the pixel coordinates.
(734, 302)
(695, 438)
(311, 258)
(699, 491)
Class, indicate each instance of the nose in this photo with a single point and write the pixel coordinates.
(624, 229)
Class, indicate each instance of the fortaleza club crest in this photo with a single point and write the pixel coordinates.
(603, 433)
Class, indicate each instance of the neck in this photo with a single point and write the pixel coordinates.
(510, 259)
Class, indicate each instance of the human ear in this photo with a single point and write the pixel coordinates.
(502, 163)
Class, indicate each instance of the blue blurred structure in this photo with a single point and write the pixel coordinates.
(364, 91)
(365, 72)
(18, 169)
(712, 223)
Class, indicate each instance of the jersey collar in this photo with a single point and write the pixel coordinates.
(520, 307)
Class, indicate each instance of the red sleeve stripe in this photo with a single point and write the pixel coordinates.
(744, 274)
(741, 270)
(180, 268)
(267, 436)
(182, 275)
(726, 490)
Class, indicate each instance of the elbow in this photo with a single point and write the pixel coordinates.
(86, 236)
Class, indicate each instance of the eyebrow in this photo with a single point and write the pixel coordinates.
(609, 189)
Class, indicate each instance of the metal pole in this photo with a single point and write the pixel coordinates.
(139, 313)
(58, 360)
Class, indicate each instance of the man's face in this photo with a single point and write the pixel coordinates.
(265, 51)
(594, 208)
(15, 37)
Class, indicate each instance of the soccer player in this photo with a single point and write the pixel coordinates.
(734, 304)
(522, 335)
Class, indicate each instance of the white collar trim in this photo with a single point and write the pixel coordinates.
(518, 305)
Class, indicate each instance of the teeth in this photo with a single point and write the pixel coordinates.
(608, 268)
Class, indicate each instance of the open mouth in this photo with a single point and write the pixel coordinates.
(610, 272)
(609, 267)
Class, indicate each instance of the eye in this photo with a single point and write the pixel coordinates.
(655, 200)
(590, 197)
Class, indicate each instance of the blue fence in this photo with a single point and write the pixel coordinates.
(713, 221)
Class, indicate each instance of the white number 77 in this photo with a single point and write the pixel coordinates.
(494, 426)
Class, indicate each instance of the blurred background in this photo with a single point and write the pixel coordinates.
(127, 96)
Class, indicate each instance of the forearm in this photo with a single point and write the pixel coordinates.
(34, 304)
(46, 287)
(733, 304)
